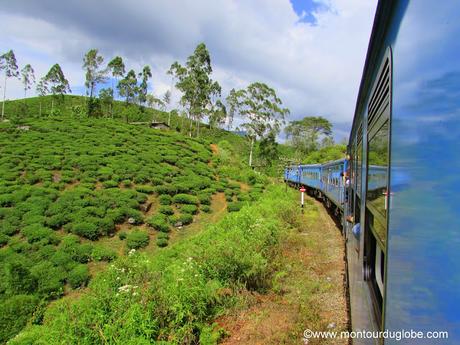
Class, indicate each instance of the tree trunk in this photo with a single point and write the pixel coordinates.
(190, 129)
(250, 153)
(52, 106)
(4, 97)
(169, 119)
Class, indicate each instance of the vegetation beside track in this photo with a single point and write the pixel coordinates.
(175, 295)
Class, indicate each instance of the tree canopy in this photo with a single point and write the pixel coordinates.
(261, 110)
(305, 134)
(195, 83)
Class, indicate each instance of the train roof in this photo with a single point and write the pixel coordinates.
(334, 162)
(382, 16)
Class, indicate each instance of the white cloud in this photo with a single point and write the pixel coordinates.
(316, 69)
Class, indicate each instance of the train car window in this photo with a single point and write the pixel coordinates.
(377, 177)
(359, 164)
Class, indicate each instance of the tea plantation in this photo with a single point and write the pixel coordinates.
(67, 183)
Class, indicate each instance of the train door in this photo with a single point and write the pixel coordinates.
(377, 188)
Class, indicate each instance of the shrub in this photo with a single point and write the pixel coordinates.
(145, 189)
(205, 208)
(135, 214)
(234, 206)
(35, 233)
(122, 235)
(163, 235)
(162, 242)
(80, 252)
(14, 315)
(126, 183)
(243, 197)
(184, 218)
(192, 209)
(164, 190)
(78, 276)
(205, 199)
(87, 230)
(57, 221)
(3, 239)
(158, 222)
(185, 199)
(106, 225)
(167, 210)
(63, 259)
(165, 199)
(101, 253)
(137, 239)
(110, 184)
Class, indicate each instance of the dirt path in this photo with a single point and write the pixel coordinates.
(218, 208)
(214, 148)
(307, 293)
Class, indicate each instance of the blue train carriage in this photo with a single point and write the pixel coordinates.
(404, 257)
(310, 175)
(333, 184)
(292, 174)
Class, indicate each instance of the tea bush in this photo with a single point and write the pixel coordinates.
(191, 209)
(234, 206)
(137, 239)
(79, 276)
(184, 219)
(185, 199)
(180, 288)
(167, 210)
(162, 242)
(165, 199)
(158, 222)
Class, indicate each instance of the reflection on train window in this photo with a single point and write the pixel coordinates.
(377, 171)
(377, 176)
(359, 155)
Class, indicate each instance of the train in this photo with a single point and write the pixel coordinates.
(397, 193)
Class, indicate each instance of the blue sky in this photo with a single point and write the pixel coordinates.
(305, 9)
(306, 50)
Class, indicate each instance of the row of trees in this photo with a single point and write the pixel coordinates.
(54, 82)
(260, 111)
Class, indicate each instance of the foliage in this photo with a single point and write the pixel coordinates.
(192, 209)
(194, 81)
(177, 293)
(101, 253)
(304, 134)
(261, 108)
(79, 276)
(165, 199)
(56, 81)
(162, 242)
(185, 199)
(14, 314)
(234, 206)
(9, 66)
(183, 219)
(158, 222)
(137, 239)
(27, 78)
(92, 62)
(326, 154)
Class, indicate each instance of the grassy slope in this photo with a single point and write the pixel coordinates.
(75, 106)
(175, 295)
(84, 176)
